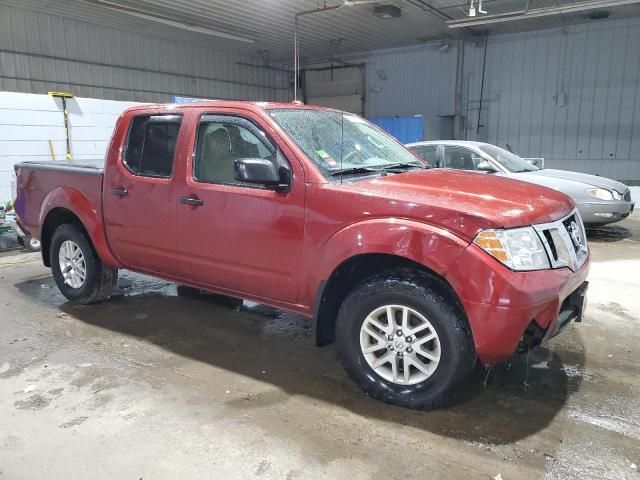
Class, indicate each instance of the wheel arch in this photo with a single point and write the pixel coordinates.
(67, 205)
(333, 291)
(55, 217)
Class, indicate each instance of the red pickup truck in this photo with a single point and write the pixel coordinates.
(417, 273)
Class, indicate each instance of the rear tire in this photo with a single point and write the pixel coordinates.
(77, 270)
(433, 345)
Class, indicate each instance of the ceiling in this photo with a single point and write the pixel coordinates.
(269, 24)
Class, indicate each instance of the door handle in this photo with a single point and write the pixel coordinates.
(119, 192)
(192, 202)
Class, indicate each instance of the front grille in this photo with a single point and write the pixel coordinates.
(627, 195)
(565, 241)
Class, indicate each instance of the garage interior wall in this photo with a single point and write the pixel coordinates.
(419, 80)
(570, 95)
(41, 52)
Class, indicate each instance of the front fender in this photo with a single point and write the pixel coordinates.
(433, 247)
(78, 204)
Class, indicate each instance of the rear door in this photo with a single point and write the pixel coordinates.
(140, 196)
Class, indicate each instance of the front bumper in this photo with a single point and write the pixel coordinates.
(600, 213)
(504, 307)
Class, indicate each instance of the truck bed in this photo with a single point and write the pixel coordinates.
(39, 181)
(88, 166)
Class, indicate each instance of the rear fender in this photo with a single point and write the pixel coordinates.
(74, 201)
(425, 244)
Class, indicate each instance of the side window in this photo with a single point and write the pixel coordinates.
(219, 145)
(461, 158)
(152, 144)
(428, 153)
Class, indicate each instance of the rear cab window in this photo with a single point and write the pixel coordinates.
(151, 145)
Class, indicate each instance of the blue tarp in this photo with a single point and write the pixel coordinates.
(177, 99)
(405, 129)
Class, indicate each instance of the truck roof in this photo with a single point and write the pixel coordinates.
(241, 104)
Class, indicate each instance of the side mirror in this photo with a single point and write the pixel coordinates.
(485, 166)
(260, 171)
(536, 162)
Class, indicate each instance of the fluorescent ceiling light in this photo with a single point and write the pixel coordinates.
(192, 27)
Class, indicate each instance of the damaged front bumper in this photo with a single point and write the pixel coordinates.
(511, 311)
(572, 310)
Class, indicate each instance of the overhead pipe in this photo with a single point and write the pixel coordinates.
(539, 12)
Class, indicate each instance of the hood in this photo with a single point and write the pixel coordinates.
(466, 202)
(592, 180)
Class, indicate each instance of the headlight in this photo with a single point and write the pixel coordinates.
(616, 195)
(600, 193)
(517, 248)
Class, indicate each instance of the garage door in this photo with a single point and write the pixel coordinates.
(336, 87)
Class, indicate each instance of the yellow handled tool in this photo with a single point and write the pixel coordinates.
(64, 96)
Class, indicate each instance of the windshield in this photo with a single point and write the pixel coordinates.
(342, 142)
(508, 160)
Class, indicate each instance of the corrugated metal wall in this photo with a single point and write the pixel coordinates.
(571, 95)
(41, 52)
(419, 80)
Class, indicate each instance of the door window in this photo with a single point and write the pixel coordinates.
(219, 144)
(461, 158)
(151, 145)
(428, 153)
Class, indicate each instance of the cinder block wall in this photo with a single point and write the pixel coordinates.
(29, 121)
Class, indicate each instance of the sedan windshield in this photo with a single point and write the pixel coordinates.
(508, 160)
(342, 143)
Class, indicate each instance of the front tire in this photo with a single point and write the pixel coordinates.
(77, 270)
(404, 341)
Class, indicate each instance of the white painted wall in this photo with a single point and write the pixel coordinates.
(29, 121)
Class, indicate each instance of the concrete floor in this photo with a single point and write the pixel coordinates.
(154, 386)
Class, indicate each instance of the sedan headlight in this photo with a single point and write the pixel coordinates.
(517, 248)
(600, 193)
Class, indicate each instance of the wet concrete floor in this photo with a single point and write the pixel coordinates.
(151, 385)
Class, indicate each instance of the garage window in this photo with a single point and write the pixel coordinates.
(151, 145)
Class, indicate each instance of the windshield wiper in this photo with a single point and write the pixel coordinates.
(400, 166)
(355, 170)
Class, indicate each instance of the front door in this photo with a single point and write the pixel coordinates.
(140, 196)
(240, 236)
